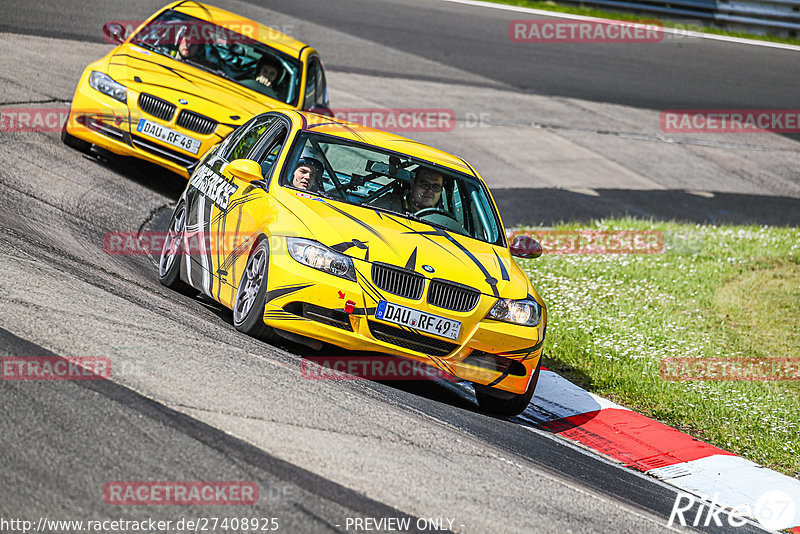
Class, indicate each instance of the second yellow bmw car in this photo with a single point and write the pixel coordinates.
(185, 79)
(309, 226)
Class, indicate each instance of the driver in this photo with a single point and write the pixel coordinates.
(306, 173)
(426, 189)
(425, 192)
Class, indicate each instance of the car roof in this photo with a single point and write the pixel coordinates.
(240, 24)
(363, 134)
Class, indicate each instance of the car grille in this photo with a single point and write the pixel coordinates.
(398, 281)
(452, 296)
(164, 152)
(411, 340)
(196, 122)
(156, 107)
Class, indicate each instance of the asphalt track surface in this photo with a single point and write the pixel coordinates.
(193, 400)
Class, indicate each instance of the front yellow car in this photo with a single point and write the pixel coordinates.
(184, 80)
(318, 229)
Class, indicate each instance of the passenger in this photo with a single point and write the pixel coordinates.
(267, 70)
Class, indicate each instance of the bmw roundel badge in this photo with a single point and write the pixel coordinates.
(427, 268)
(183, 101)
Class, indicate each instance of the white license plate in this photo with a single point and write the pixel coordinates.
(168, 135)
(425, 322)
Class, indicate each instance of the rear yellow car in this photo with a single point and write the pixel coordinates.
(184, 80)
(310, 228)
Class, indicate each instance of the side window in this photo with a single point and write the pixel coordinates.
(240, 147)
(316, 88)
(270, 151)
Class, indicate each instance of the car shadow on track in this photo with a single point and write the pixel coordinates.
(146, 174)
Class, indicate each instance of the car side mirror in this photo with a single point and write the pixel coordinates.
(114, 32)
(319, 109)
(246, 170)
(525, 247)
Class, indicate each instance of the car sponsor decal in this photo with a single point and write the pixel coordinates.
(213, 186)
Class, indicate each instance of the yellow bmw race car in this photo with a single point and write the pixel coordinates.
(185, 79)
(317, 229)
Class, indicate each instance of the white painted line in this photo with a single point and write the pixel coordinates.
(673, 31)
(735, 482)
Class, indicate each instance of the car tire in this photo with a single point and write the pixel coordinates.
(73, 142)
(251, 295)
(170, 260)
(504, 403)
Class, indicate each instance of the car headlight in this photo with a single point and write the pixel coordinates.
(318, 256)
(106, 85)
(525, 312)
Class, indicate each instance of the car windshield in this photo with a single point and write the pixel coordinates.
(390, 182)
(224, 52)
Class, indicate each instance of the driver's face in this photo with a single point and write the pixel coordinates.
(304, 177)
(185, 49)
(426, 190)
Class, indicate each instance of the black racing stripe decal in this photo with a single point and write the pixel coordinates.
(526, 350)
(503, 271)
(443, 365)
(283, 291)
(411, 264)
(361, 223)
(347, 245)
(498, 379)
(490, 280)
(368, 288)
(423, 235)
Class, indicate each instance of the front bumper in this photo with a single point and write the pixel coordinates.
(309, 302)
(106, 122)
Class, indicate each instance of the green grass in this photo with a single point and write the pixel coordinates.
(714, 292)
(604, 14)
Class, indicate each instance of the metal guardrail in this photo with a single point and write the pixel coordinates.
(776, 17)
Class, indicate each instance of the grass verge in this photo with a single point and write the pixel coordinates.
(604, 14)
(713, 292)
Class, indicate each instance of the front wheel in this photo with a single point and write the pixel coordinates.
(169, 263)
(248, 306)
(505, 403)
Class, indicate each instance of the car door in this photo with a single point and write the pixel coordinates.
(234, 230)
(220, 209)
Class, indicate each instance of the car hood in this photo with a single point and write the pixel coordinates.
(376, 236)
(148, 72)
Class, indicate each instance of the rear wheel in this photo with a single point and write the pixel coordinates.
(248, 306)
(73, 142)
(169, 263)
(500, 402)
